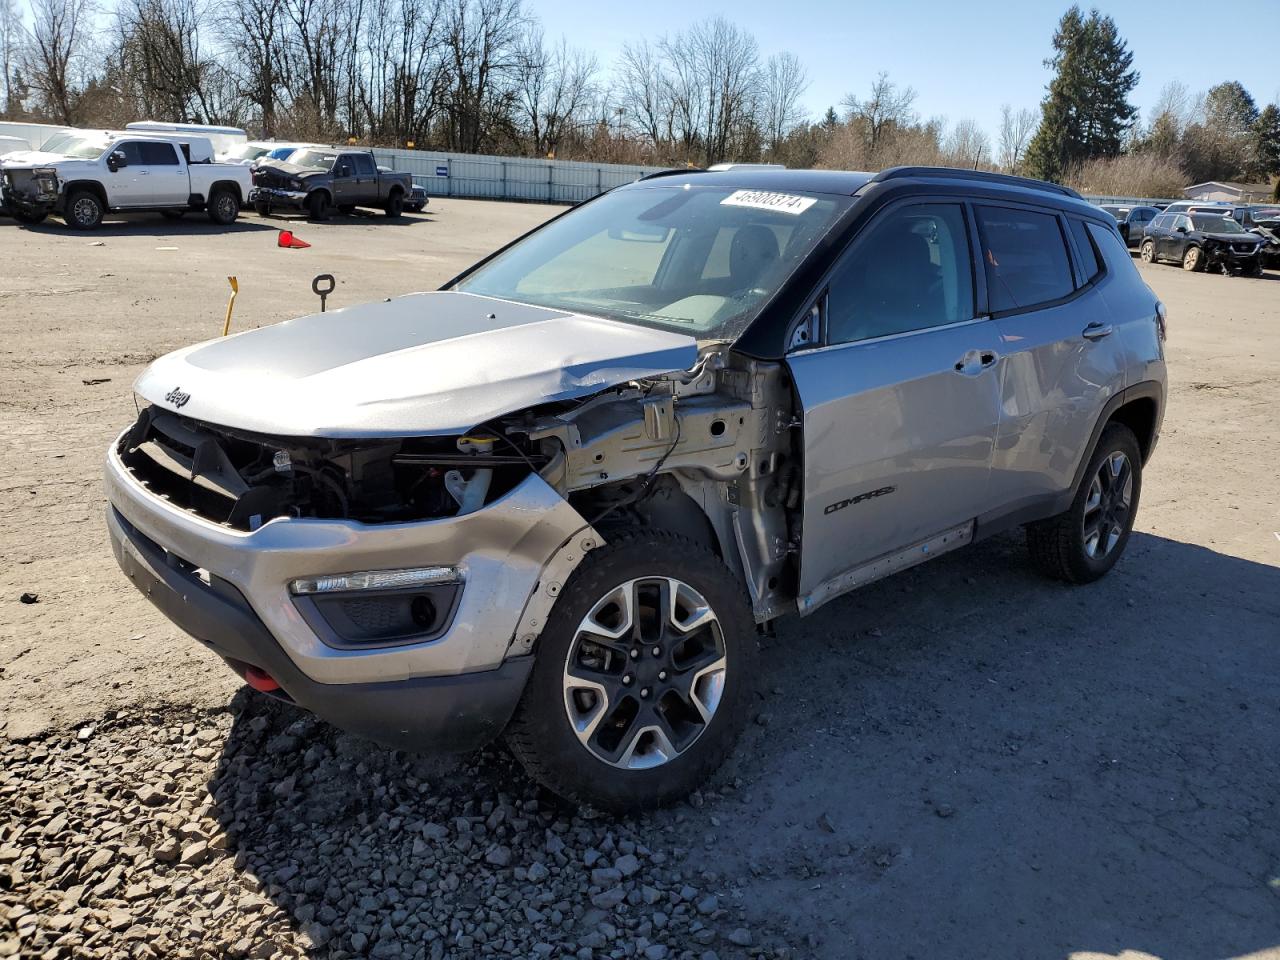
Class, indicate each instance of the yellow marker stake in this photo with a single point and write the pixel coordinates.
(235, 288)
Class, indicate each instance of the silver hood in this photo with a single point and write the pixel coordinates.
(419, 365)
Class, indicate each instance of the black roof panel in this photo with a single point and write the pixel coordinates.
(842, 182)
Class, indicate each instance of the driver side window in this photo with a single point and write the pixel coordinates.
(910, 270)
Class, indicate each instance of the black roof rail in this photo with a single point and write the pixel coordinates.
(986, 176)
(674, 171)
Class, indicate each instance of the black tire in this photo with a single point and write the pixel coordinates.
(395, 204)
(1193, 260)
(262, 208)
(1059, 546)
(84, 210)
(541, 735)
(223, 206)
(30, 218)
(172, 214)
(318, 205)
(1147, 251)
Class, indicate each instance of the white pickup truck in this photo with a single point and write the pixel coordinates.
(84, 174)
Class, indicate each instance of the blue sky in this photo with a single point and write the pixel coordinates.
(963, 57)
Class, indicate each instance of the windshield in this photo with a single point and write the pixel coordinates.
(246, 151)
(315, 159)
(701, 260)
(1214, 223)
(76, 145)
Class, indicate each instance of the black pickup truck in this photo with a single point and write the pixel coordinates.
(318, 180)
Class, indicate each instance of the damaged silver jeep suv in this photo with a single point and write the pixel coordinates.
(558, 498)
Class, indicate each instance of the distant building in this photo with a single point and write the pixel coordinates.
(1229, 191)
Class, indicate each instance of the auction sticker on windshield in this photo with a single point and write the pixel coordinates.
(761, 200)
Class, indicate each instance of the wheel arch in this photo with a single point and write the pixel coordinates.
(88, 186)
(228, 185)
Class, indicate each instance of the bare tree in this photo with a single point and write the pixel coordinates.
(168, 73)
(60, 37)
(887, 107)
(1015, 132)
(967, 146)
(785, 81)
(554, 89)
(254, 34)
(12, 42)
(482, 52)
(644, 92)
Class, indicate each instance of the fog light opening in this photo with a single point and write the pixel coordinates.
(423, 611)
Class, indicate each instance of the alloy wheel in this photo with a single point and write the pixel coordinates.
(645, 673)
(85, 211)
(1107, 508)
(226, 207)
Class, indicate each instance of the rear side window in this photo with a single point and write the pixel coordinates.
(910, 270)
(1113, 251)
(158, 154)
(1025, 256)
(364, 164)
(1089, 264)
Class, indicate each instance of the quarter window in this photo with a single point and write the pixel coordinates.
(1025, 257)
(912, 270)
(1089, 264)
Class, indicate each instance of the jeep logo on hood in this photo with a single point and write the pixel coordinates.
(177, 397)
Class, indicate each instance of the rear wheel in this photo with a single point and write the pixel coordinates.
(84, 210)
(1083, 543)
(643, 675)
(224, 207)
(1193, 259)
(1148, 251)
(318, 205)
(395, 204)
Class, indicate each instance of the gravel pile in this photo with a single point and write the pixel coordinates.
(259, 832)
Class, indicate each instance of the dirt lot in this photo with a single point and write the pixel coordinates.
(961, 761)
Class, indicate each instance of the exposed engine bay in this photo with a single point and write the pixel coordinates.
(708, 453)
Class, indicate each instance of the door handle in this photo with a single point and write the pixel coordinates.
(143, 173)
(974, 362)
(1096, 331)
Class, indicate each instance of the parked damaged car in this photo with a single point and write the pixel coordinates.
(559, 498)
(1200, 241)
(320, 180)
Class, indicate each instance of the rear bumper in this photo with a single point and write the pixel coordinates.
(459, 712)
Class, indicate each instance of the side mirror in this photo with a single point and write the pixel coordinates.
(116, 160)
(344, 171)
(1181, 229)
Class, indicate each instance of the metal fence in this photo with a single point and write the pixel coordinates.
(509, 178)
(1160, 202)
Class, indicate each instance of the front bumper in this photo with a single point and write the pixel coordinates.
(459, 713)
(502, 551)
(277, 197)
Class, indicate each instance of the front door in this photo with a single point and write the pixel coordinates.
(902, 400)
(345, 187)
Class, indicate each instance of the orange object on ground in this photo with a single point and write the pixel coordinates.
(287, 239)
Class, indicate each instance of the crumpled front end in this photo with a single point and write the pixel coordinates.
(382, 585)
(28, 190)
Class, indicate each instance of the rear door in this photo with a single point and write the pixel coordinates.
(1062, 357)
(901, 401)
(367, 180)
(167, 181)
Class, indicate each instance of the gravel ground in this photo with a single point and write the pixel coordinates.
(960, 761)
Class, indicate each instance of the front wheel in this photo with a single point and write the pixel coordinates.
(395, 204)
(1193, 259)
(1084, 543)
(318, 206)
(1147, 251)
(84, 210)
(642, 678)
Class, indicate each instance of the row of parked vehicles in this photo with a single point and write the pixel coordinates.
(176, 169)
(1234, 238)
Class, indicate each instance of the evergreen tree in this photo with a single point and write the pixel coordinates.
(1266, 143)
(1086, 113)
